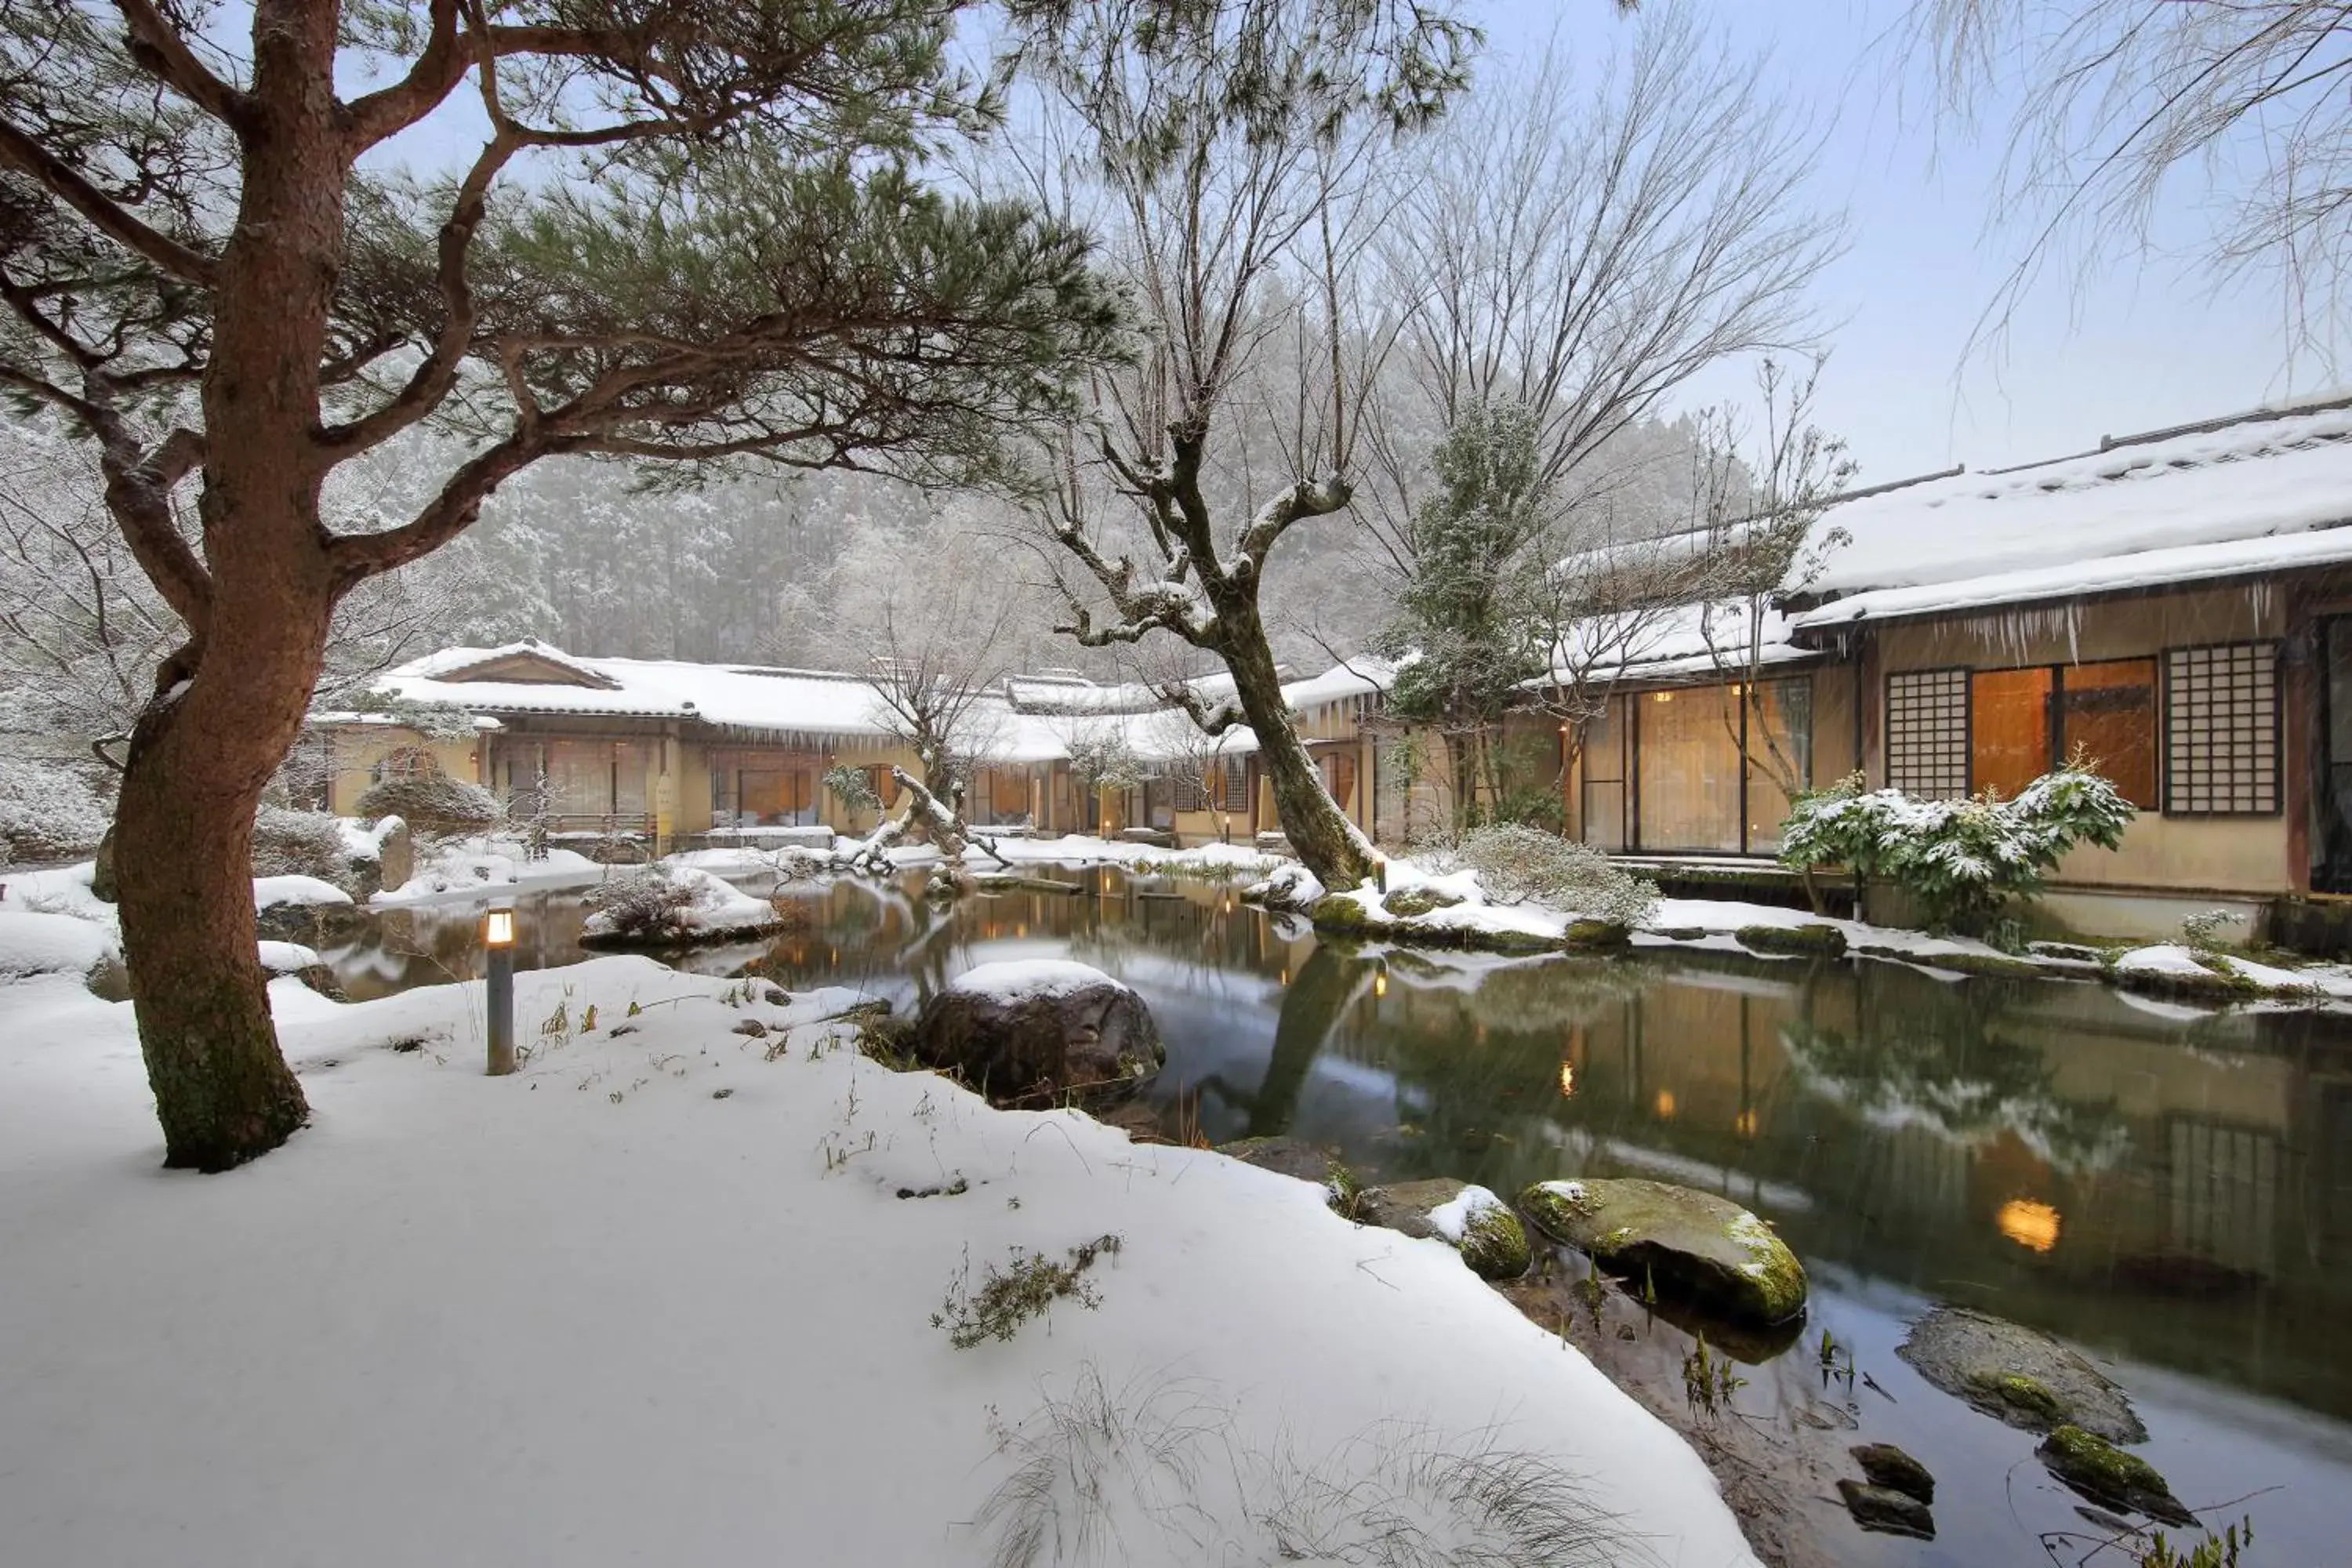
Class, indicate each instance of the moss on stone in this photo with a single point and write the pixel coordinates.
(1340, 913)
(1412, 902)
(2105, 1474)
(1704, 1246)
(1810, 940)
(1680, 934)
(1495, 1245)
(1590, 933)
(2028, 1395)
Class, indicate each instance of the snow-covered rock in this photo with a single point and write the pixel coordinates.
(34, 943)
(672, 905)
(268, 893)
(1036, 1029)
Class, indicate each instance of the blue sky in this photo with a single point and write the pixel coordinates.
(2150, 346)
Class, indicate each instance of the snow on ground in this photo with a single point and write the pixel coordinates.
(296, 890)
(486, 863)
(657, 1297)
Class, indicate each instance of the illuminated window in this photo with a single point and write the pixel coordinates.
(1236, 785)
(2107, 710)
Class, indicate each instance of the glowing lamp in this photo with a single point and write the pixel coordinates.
(1381, 984)
(498, 985)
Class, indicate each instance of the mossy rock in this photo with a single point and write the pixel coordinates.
(1411, 902)
(1811, 940)
(2017, 1375)
(1340, 913)
(1495, 1245)
(1403, 1206)
(1884, 1464)
(1885, 1510)
(1680, 934)
(1283, 1156)
(1698, 1246)
(2109, 1476)
(1589, 935)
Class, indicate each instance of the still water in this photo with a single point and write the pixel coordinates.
(2167, 1190)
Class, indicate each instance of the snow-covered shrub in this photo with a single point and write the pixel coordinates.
(853, 787)
(432, 802)
(2202, 931)
(48, 811)
(1966, 862)
(1517, 863)
(287, 843)
(645, 906)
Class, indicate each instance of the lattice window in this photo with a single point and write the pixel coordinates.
(1927, 733)
(2222, 729)
(1188, 792)
(1236, 783)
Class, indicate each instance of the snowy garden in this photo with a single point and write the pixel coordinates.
(1173, 782)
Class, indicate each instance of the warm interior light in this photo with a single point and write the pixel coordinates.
(1662, 696)
(2032, 1225)
(1666, 1104)
(498, 929)
(1744, 1124)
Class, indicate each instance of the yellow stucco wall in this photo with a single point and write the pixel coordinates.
(357, 748)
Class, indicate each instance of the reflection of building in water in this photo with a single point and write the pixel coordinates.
(2223, 1183)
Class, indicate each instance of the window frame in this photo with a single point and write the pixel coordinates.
(2159, 718)
(2275, 648)
(1734, 691)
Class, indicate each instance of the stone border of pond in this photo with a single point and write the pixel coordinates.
(2166, 970)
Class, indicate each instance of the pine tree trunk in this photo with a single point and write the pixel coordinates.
(184, 836)
(206, 748)
(1322, 838)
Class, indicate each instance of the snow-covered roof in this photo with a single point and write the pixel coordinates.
(2260, 492)
(1679, 643)
(534, 678)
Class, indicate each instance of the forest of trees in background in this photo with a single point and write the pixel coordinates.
(754, 569)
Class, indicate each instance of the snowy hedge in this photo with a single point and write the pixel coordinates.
(1966, 862)
(1517, 864)
(289, 843)
(48, 811)
(434, 800)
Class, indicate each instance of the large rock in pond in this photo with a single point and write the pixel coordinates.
(1035, 1031)
(2018, 1376)
(1690, 1243)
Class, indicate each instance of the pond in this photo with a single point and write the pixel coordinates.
(2166, 1189)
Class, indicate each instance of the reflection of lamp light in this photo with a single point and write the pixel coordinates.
(1567, 1081)
(1381, 984)
(2032, 1225)
(1666, 1104)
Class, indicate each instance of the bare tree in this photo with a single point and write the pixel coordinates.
(1760, 547)
(1229, 162)
(2116, 102)
(943, 628)
(1580, 249)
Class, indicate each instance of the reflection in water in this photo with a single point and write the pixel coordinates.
(2161, 1191)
